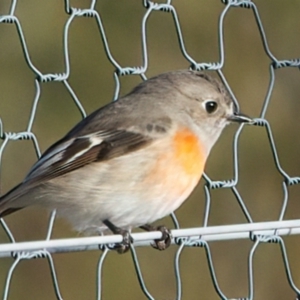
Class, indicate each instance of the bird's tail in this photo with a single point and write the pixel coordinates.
(8, 203)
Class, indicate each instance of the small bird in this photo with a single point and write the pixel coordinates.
(132, 161)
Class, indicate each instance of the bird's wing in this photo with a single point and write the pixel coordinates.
(68, 155)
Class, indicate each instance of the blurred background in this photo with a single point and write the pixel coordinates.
(247, 71)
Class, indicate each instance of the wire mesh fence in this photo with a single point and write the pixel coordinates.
(271, 230)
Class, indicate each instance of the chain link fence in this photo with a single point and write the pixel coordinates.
(248, 269)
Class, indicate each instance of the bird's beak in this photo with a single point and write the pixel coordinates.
(239, 118)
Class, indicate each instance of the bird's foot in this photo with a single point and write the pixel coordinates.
(124, 246)
(165, 241)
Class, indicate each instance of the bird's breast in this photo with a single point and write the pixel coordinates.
(177, 170)
(188, 152)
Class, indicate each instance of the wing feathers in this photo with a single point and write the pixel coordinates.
(82, 151)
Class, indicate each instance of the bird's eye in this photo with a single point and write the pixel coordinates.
(210, 106)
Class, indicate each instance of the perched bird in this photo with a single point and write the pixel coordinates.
(132, 161)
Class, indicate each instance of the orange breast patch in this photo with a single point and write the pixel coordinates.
(177, 169)
(188, 152)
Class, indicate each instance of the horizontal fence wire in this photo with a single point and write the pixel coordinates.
(257, 233)
(186, 235)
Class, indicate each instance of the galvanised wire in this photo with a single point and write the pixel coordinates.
(182, 242)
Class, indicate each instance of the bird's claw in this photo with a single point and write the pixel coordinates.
(165, 241)
(124, 246)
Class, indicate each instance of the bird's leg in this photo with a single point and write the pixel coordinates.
(127, 239)
(165, 241)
